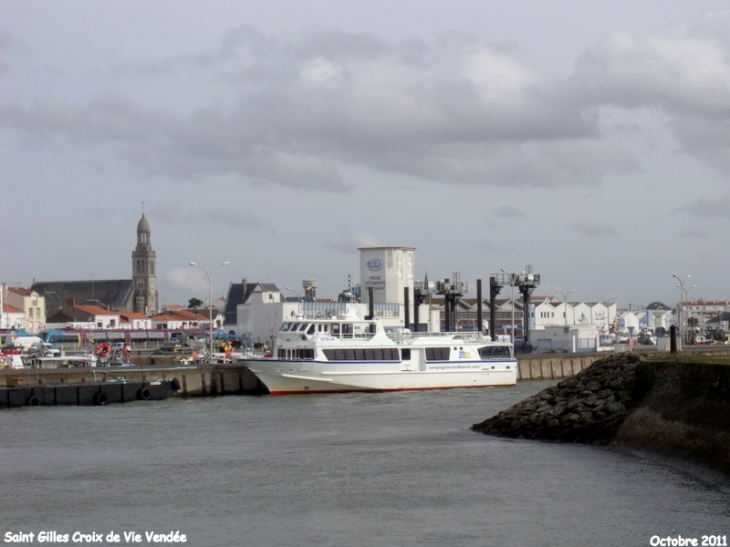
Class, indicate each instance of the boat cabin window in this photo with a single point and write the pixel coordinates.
(285, 327)
(310, 330)
(302, 327)
(438, 354)
(347, 330)
(335, 330)
(405, 354)
(493, 351)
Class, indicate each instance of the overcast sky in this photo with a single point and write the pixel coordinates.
(590, 140)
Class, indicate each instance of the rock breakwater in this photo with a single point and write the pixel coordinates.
(587, 408)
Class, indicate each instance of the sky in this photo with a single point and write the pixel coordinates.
(588, 140)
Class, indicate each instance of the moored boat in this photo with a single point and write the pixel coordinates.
(348, 353)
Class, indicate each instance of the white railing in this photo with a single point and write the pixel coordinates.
(466, 336)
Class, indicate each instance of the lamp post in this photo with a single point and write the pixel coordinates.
(679, 305)
(210, 304)
(565, 304)
(512, 279)
(299, 299)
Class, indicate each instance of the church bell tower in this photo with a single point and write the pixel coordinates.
(143, 271)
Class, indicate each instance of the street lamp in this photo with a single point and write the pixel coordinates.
(299, 299)
(565, 304)
(679, 305)
(512, 279)
(210, 304)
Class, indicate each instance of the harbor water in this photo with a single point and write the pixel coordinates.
(389, 469)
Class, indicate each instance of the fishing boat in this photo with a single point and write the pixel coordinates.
(349, 353)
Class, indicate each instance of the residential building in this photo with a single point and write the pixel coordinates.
(135, 321)
(11, 318)
(31, 304)
(87, 314)
(704, 310)
(188, 319)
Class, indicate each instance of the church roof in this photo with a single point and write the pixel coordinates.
(113, 293)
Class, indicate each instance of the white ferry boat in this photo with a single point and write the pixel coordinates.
(352, 354)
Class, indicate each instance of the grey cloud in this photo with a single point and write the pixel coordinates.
(455, 112)
(694, 234)
(336, 44)
(686, 75)
(223, 217)
(682, 74)
(595, 229)
(350, 244)
(507, 211)
(708, 207)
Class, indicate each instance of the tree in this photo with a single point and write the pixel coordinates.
(692, 322)
(194, 303)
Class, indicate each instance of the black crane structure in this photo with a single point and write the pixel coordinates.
(526, 282)
(452, 290)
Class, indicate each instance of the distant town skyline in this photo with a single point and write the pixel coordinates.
(589, 140)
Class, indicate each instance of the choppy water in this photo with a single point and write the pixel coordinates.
(400, 469)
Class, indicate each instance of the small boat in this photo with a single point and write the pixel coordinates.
(700, 340)
(348, 353)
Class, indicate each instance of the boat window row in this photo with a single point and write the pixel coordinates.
(298, 353)
(362, 354)
(337, 330)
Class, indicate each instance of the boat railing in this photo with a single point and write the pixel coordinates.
(465, 336)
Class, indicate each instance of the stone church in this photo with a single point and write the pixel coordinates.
(138, 294)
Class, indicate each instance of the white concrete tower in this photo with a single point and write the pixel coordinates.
(388, 270)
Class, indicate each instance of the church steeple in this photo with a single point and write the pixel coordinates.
(143, 270)
(143, 234)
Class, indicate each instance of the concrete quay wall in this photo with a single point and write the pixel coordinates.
(548, 366)
(553, 366)
(195, 380)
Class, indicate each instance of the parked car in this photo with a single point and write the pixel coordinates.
(172, 345)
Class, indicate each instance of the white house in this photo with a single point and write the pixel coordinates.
(135, 321)
(550, 311)
(12, 318)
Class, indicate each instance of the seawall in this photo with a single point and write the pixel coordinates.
(195, 380)
(679, 406)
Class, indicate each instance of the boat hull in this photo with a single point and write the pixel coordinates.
(282, 377)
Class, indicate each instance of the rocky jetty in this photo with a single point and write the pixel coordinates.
(587, 408)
